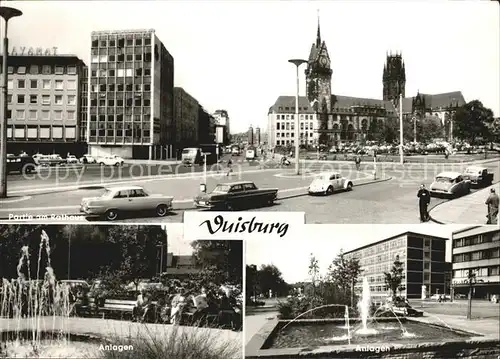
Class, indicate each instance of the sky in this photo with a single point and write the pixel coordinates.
(234, 55)
(175, 240)
(325, 241)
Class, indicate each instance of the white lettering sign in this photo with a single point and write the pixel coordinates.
(33, 51)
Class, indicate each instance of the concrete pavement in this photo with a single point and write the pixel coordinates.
(464, 210)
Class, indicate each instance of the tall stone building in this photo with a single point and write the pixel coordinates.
(333, 120)
(250, 138)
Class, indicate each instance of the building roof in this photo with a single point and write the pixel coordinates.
(339, 101)
(62, 60)
(436, 101)
(395, 236)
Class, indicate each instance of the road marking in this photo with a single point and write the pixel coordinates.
(15, 200)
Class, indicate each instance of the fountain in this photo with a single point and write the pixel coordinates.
(344, 336)
(34, 312)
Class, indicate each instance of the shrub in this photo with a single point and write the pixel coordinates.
(176, 342)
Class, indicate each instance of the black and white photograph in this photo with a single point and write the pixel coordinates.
(118, 291)
(375, 291)
(352, 112)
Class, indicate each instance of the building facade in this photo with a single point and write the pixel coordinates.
(186, 118)
(334, 120)
(130, 100)
(206, 126)
(257, 136)
(222, 121)
(476, 250)
(44, 104)
(181, 266)
(423, 258)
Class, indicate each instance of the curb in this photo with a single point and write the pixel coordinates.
(439, 204)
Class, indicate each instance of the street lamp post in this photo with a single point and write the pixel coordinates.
(297, 63)
(203, 186)
(7, 13)
(414, 129)
(471, 277)
(401, 158)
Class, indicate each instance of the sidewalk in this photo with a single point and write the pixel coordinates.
(468, 209)
(486, 327)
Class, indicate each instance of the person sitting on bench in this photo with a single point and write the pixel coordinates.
(137, 310)
(201, 304)
(178, 304)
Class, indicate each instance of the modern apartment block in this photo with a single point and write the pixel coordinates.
(186, 118)
(222, 123)
(476, 249)
(44, 104)
(131, 100)
(423, 258)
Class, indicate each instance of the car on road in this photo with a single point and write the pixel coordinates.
(328, 182)
(110, 161)
(22, 164)
(478, 176)
(440, 297)
(117, 200)
(231, 196)
(402, 308)
(450, 184)
(88, 159)
(49, 160)
(71, 159)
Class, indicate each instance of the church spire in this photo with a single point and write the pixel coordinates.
(318, 34)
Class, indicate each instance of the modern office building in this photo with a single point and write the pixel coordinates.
(250, 138)
(185, 118)
(423, 259)
(257, 136)
(131, 96)
(222, 123)
(44, 104)
(476, 250)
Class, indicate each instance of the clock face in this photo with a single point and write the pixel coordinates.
(323, 61)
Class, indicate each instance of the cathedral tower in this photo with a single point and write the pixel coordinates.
(319, 74)
(394, 78)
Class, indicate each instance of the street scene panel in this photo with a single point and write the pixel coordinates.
(144, 292)
(122, 125)
(377, 291)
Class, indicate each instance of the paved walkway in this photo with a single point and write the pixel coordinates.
(469, 209)
(487, 327)
(253, 323)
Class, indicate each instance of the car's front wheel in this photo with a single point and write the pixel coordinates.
(101, 163)
(111, 214)
(161, 210)
(349, 186)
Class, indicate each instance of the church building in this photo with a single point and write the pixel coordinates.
(333, 120)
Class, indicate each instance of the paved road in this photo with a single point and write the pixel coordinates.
(393, 201)
(480, 308)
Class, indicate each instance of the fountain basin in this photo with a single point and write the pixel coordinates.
(327, 338)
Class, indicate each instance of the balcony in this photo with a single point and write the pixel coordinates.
(476, 263)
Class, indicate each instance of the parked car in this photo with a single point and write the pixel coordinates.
(49, 160)
(117, 200)
(22, 164)
(402, 308)
(230, 196)
(111, 161)
(329, 182)
(72, 283)
(450, 184)
(88, 159)
(478, 176)
(71, 159)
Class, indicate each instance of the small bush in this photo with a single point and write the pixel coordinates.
(176, 343)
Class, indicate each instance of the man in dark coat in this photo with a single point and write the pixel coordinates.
(424, 197)
(492, 204)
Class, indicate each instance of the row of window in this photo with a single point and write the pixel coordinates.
(45, 99)
(380, 248)
(290, 126)
(292, 117)
(55, 132)
(341, 109)
(44, 70)
(135, 133)
(120, 88)
(480, 272)
(137, 102)
(120, 42)
(291, 142)
(96, 59)
(477, 255)
(125, 72)
(479, 239)
(288, 134)
(45, 115)
(120, 118)
(42, 84)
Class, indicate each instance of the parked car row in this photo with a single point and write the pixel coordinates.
(456, 184)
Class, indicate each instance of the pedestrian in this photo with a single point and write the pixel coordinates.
(357, 160)
(229, 167)
(492, 205)
(424, 199)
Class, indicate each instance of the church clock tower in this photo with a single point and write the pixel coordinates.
(394, 78)
(319, 75)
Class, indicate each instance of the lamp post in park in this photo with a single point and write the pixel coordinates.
(7, 13)
(297, 63)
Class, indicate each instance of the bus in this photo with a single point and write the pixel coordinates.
(250, 154)
(195, 155)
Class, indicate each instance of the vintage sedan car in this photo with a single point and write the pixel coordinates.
(71, 159)
(21, 164)
(478, 176)
(110, 161)
(116, 200)
(230, 196)
(88, 159)
(450, 184)
(329, 182)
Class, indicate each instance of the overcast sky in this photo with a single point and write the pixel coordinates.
(325, 241)
(175, 240)
(233, 54)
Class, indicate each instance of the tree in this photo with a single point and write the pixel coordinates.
(269, 277)
(251, 281)
(313, 272)
(223, 258)
(394, 278)
(429, 128)
(345, 273)
(472, 121)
